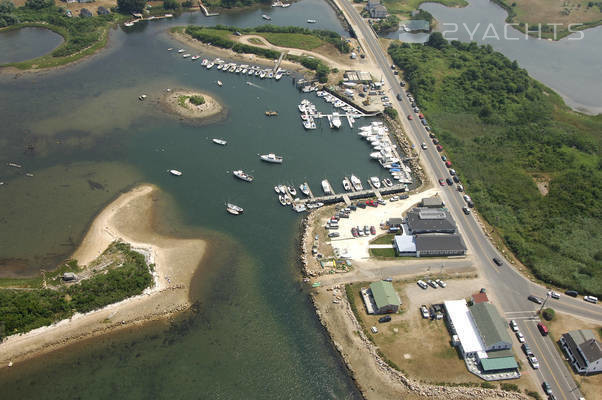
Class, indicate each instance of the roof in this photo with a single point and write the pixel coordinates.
(439, 242)
(405, 243)
(425, 220)
(395, 221)
(384, 294)
(581, 335)
(570, 343)
(480, 298)
(434, 201)
(464, 326)
(495, 364)
(491, 326)
(499, 354)
(591, 350)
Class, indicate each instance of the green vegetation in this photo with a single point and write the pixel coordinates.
(82, 36)
(388, 253)
(197, 100)
(170, 5)
(24, 310)
(509, 387)
(128, 6)
(405, 7)
(213, 4)
(390, 112)
(532, 393)
(502, 128)
(384, 239)
(294, 40)
(182, 101)
(487, 385)
(548, 314)
(389, 24)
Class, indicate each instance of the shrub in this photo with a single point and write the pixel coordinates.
(510, 387)
(487, 385)
(170, 5)
(548, 314)
(390, 112)
(197, 100)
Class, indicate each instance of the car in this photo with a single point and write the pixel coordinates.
(333, 234)
(384, 319)
(361, 205)
(514, 326)
(466, 210)
(421, 116)
(432, 135)
(428, 128)
(498, 262)
(372, 230)
(520, 337)
(381, 202)
(554, 295)
(423, 145)
(432, 284)
(353, 207)
(460, 188)
(435, 141)
(441, 283)
(354, 232)
(374, 329)
(456, 179)
(535, 299)
(402, 83)
(392, 67)
(424, 311)
(389, 279)
(546, 387)
(527, 349)
(452, 172)
(439, 148)
(572, 293)
(543, 329)
(410, 117)
(399, 97)
(449, 181)
(442, 182)
(533, 361)
(448, 164)
(443, 158)
(422, 284)
(591, 299)
(416, 110)
(394, 198)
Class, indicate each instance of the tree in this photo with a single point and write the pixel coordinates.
(6, 7)
(130, 5)
(436, 40)
(391, 112)
(187, 3)
(548, 314)
(170, 4)
(39, 4)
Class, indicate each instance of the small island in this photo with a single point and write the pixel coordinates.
(191, 104)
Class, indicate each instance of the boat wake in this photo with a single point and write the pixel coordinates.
(255, 85)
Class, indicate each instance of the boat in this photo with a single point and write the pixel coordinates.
(168, 15)
(326, 187)
(347, 184)
(142, 97)
(240, 174)
(292, 190)
(271, 158)
(221, 142)
(219, 83)
(186, 55)
(128, 23)
(266, 17)
(375, 182)
(304, 187)
(210, 65)
(309, 124)
(336, 120)
(288, 200)
(387, 182)
(276, 189)
(357, 184)
(299, 208)
(270, 75)
(204, 62)
(262, 74)
(170, 49)
(194, 58)
(282, 189)
(278, 75)
(175, 172)
(282, 199)
(311, 21)
(220, 66)
(234, 209)
(14, 165)
(181, 51)
(285, 5)
(271, 113)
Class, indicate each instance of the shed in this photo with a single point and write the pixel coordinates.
(69, 276)
(385, 297)
(432, 202)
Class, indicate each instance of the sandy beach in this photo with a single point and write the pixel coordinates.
(128, 218)
(171, 102)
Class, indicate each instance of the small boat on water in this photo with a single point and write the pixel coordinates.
(326, 187)
(219, 83)
(186, 55)
(175, 172)
(234, 209)
(375, 182)
(271, 113)
(14, 165)
(299, 208)
(221, 142)
(347, 184)
(181, 51)
(128, 23)
(357, 184)
(276, 189)
(240, 174)
(194, 58)
(292, 190)
(142, 97)
(266, 17)
(311, 21)
(204, 62)
(271, 158)
(282, 199)
(210, 65)
(304, 187)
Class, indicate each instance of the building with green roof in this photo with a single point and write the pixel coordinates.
(385, 297)
(490, 365)
(491, 327)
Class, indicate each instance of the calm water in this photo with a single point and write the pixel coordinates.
(85, 137)
(25, 43)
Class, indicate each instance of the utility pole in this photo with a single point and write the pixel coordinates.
(544, 303)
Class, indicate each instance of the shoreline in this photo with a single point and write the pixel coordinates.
(128, 218)
(211, 109)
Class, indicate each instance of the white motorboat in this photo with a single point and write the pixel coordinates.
(221, 142)
(357, 184)
(234, 209)
(276, 189)
(309, 124)
(186, 55)
(304, 187)
(347, 184)
(240, 174)
(219, 83)
(282, 200)
(278, 75)
(282, 189)
(311, 21)
(266, 17)
(387, 182)
(375, 182)
(128, 23)
(299, 208)
(326, 187)
(204, 62)
(336, 120)
(194, 58)
(181, 51)
(271, 158)
(292, 190)
(210, 65)
(175, 172)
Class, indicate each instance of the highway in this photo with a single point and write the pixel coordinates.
(509, 287)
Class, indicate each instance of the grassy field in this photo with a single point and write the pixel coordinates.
(293, 40)
(384, 239)
(502, 128)
(407, 6)
(384, 253)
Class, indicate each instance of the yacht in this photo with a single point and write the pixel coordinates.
(266, 17)
(326, 187)
(181, 51)
(336, 120)
(282, 199)
(240, 174)
(304, 187)
(292, 190)
(175, 172)
(309, 124)
(357, 184)
(278, 75)
(299, 208)
(186, 55)
(271, 158)
(221, 142)
(210, 65)
(311, 21)
(375, 182)
(347, 184)
(276, 189)
(220, 84)
(387, 182)
(234, 209)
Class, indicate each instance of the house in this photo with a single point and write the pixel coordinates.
(439, 245)
(102, 11)
(69, 276)
(376, 10)
(584, 351)
(84, 13)
(404, 245)
(385, 297)
(480, 297)
(395, 222)
(429, 220)
(432, 202)
(85, 1)
(492, 328)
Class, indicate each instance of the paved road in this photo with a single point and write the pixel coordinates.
(509, 286)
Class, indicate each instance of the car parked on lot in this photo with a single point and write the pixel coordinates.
(513, 326)
(520, 337)
(527, 349)
(374, 329)
(441, 283)
(422, 284)
(424, 311)
(543, 329)
(443, 158)
(533, 361)
(498, 262)
(572, 293)
(384, 319)
(535, 299)
(591, 299)
(432, 284)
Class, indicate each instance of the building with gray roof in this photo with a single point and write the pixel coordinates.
(583, 350)
(491, 327)
(439, 245)
(429, 220)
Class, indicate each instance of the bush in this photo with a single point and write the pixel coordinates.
(187, 4)
(127, 6)
(390, 112)
(39, 4)
(170, 5)
(6, 7)
(487, 385)
(197, 100)
(533, 394)
(548, 314)
(509, 387)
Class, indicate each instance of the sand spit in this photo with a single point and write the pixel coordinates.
(178, 102)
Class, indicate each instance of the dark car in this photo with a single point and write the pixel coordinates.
(572, 293)
(535, 299)
(449, 181)
(443, 158)
(527, 349)
(402, 83)
(456, 179)
(361, 205)
(384, 319)
(432, 135)
(399, 97)
(498, 262)
(546, 388)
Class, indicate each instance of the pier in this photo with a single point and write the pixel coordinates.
(348, 196)
(275, 69)
(205, 11)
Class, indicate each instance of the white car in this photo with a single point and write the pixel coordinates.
(514, 326)
(422, 284)
(554, 295)
(440, 283)
(374, 329)
(423, 145)
(591, 299)
(533, 361)
(520, 337)
(425, 312)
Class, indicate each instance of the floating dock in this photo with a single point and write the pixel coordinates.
(348, 196)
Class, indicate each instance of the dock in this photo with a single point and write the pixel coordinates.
(205, 11)
(275, 69)
(348, 196)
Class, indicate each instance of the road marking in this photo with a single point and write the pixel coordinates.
(519, 312)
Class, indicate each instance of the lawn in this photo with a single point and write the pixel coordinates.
(388, 253)
(384, 239)
(293, 40)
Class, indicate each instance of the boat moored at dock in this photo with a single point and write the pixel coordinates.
(357, 184)
(326, 187)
